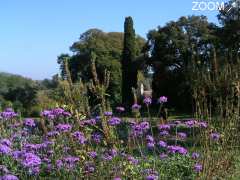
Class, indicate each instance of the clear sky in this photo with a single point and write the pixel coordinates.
(34, 32)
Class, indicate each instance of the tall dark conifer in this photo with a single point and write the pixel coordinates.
(129, 75)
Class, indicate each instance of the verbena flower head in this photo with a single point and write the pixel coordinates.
(151, 177)
(89, 122)
(195, 155)
(182, 135)
(162, 144)
(147, 101)
(114, 121)
(79, 136)
(132, 160)
(108, 113)
(6, 142)
(215, 136)
(120, 109)
(144, 125)
(92, 154)
(9, 177)
(164, 133)
(198, 167)
(5, 150)
(31, 160)
(117, 178)
(96, 137)
(136, 106)
(162, 99)
(164, 127)
(63, 127)
(29, 122)
(8, 114)
(177, 149)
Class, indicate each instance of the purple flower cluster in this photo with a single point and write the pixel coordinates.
(147, 101)
(150, 141)
(96, 137)
(215, 136)
(164, 127)
(182, 135)
(88, 122)
(63, 127)
(162, 99)
(9, 177)
(29, 122)
(108, 113)
(138, 129)
(136, 106)
(177, 149)
(55, 113)
(198, 167)
(31, 160)
(109, 155)
(68, 162)
(114, 121)
(79, 136)
(8, 114)
(162, 144)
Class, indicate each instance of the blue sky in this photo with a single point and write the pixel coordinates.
(34, 32)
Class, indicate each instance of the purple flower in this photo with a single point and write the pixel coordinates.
(150, 145)
(120, 109)
(162, 144)
(117, 178)
(90, 122)
(8, 114)
(162, 99)
(164, 127)
(9, 177)
(149, 138)
(5, 149)
(136, 107)
(31, 160)
(6, 142)
(59, 163)
(79, 136)
(202, 124)
(52, 133)
(89, 167)
(92, 154)
(215, 136)
(195, 155)
(96, 137)
(152, 177)
(29, 122)
(147, 101)
(144, 125)
(132, 160)
(177, 149)
(190, 123)
(164, 133)
(182, 135)
(114, 121)
(108, 113)
(63, 127)
(198, 167)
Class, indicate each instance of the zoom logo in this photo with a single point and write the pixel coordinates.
(208, 6)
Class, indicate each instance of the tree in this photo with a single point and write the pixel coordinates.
(108, 49)
(129, 74)
(172, 48)
(229, 17)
